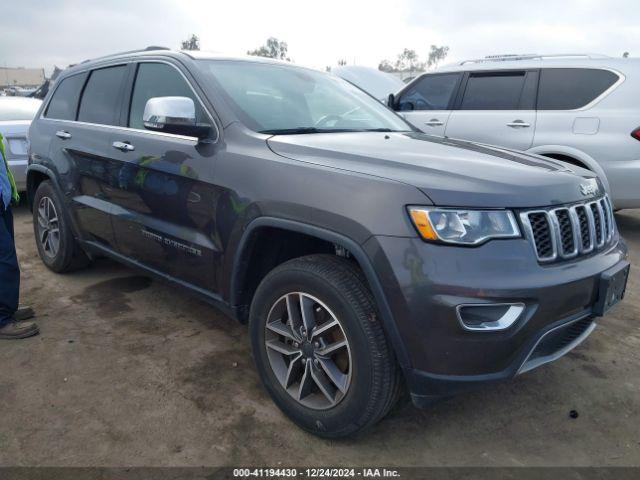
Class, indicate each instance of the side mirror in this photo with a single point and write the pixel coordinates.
(173, 115)
(391, 101)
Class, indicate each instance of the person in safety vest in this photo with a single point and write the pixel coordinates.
(11, 326)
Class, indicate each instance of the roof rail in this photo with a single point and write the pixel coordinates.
(531, 56)
(147, 49)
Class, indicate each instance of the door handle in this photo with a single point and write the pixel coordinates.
(434, 122)
(518, 124)
(124, 146)
(63, 134)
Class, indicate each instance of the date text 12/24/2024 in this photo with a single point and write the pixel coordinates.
(315, 473)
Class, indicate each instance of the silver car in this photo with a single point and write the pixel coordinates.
(16, 114)
(583, 109)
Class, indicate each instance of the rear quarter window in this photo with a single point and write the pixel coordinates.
(64, 102)
(571, 88)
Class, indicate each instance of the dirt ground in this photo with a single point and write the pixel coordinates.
(130, 372)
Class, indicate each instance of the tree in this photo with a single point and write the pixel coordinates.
(386, 66)
(408, 61)
(274, 48)
(625, 55)
(436, 55)
(191, 43)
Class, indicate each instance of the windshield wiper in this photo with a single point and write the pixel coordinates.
(301, 130)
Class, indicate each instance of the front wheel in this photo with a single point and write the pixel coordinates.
(319, 346)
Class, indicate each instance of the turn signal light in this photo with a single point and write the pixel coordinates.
(422, 223)
(636, 133)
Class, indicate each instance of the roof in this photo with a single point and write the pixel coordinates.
(203, 55)
(166, 52)
(517, 62)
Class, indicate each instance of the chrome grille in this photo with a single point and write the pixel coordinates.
(566, 232)
(541, 233)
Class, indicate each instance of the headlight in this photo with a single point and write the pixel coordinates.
(467, 227)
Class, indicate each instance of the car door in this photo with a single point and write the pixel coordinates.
(80, 116)
(163, 190)
(496, 107)
(426, 102)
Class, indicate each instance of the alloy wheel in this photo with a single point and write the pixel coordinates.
(308, 351)
(48, 227)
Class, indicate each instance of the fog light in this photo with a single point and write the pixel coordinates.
(488, 317)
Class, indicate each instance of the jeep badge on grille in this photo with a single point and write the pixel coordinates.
(588, 189)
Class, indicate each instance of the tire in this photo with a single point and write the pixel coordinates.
(347, 390)
(57, 247)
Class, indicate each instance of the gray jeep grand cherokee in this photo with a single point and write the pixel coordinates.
(368, 259)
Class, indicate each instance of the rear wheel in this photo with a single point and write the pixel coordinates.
(319, 346)
(57, 247)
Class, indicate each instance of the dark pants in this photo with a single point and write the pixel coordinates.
(9, 270)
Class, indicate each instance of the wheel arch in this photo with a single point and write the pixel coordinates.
(244, 252)
(573, 156)
(36, 174)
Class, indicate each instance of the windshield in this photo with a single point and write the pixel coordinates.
(377, 83)
(17, 109)
(279, 99)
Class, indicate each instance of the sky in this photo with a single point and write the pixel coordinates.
(43, 33)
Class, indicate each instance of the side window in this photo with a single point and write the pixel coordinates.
(99, 103)
(158, 80)
(571, 88)
(431, 92)
(64, 102)
(493, 91)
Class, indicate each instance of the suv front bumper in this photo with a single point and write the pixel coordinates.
(424, 283)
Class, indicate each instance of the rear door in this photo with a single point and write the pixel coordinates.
(426, 102)
(496, 107)
(82, 111)
(164, 194)
(91, 150)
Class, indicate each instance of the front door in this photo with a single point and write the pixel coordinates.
(426, 102)
(163, 189)
(497, 108)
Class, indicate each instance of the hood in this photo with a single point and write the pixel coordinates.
(450, 172)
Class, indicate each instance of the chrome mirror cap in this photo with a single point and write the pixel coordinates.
(163, 112)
